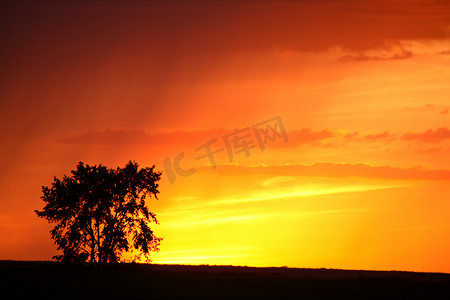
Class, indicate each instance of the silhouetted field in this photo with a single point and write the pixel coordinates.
(136, 281)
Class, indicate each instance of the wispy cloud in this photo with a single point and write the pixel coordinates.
(301, 191)
(403, 54)
(335, 170)
(378, 136)
(297, 138)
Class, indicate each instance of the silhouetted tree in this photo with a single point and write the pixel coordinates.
(101, 213)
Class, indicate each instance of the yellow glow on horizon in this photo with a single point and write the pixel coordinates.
(324, 219)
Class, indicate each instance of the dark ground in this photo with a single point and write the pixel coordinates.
(21, 280)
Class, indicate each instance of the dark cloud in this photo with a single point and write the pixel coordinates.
(185, 137)
(429, 136)
(161, 29)
(194, 138)
(59, 58)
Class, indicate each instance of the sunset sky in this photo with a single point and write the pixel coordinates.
(358, 179)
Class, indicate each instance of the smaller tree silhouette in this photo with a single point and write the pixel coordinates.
(101, 213)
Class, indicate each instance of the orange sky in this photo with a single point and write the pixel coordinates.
(361, 87)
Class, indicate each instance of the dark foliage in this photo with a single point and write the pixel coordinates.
(101, 213)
